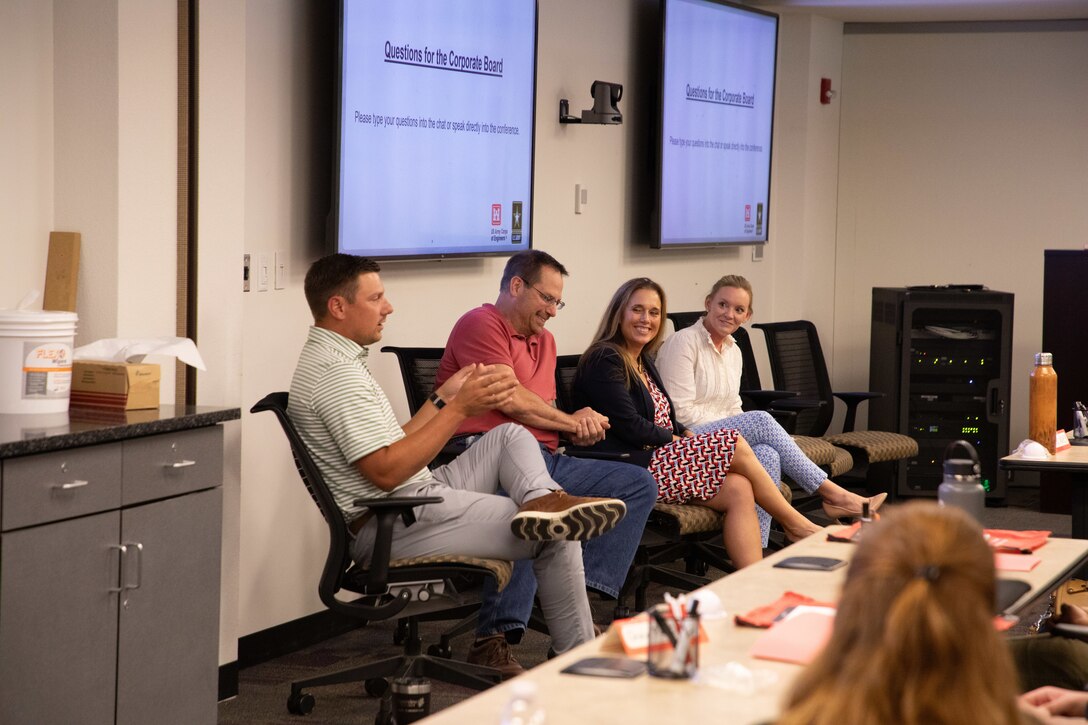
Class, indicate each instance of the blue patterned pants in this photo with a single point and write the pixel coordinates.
(775, 451)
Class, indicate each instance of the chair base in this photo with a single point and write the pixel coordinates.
(375, 674)
(467, 623)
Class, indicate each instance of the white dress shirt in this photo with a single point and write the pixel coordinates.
(704, 384)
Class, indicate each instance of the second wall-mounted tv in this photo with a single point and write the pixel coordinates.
(435, 127)
(716, 117)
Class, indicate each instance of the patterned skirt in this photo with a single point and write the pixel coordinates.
(693, 468)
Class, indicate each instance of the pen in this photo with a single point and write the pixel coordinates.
(664, 625)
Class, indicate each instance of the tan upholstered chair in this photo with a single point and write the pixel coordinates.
(797, 363)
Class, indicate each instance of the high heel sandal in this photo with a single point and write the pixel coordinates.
(841, 512)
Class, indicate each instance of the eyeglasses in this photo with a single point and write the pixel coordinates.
(549, 300)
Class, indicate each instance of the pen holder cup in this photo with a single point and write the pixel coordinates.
(672, 645)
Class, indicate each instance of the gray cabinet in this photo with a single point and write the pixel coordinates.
(109, 582)
(58, 621)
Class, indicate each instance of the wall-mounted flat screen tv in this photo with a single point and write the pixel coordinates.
(716, 116)
(435, 128)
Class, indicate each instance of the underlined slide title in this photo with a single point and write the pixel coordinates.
(441, 59)
(720, 95)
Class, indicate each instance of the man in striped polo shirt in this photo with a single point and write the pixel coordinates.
(346, 421)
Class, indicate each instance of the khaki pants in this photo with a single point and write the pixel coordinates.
(474, 520)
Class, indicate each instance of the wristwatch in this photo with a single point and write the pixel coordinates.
(437, 401)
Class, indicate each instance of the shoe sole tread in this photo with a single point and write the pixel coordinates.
(578, 523)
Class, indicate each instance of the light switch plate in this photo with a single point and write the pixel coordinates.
(262, 272)
(279, 273)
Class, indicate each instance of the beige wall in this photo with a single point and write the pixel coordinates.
(26, 145)
(964, 156)
(939, 158)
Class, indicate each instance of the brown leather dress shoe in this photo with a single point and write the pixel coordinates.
(494, 652)
(558, 516)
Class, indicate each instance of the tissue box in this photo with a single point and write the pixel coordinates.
(126, 386)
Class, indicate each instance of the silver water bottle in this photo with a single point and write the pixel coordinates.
(962, 485)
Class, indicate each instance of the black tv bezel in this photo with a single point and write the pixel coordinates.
(333, 230)
(655, 230)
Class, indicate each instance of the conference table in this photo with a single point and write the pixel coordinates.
(1072, 460)
(576, 699)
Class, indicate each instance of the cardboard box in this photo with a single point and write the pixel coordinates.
(123, 386)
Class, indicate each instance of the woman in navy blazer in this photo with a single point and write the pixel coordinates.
(717, 469)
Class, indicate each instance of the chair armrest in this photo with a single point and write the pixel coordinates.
(386, 510)
(853, 400)
(762, 399)
(785, 418)
(1073, 631)
(798, 404)
(400, 503)
(597, 455)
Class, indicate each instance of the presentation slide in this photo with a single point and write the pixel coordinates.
(436, 127)
(717, 113)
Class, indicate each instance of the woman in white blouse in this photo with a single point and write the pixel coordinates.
(701, 366)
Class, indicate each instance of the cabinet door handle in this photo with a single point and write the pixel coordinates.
(139, 549)
(123, 550)
(181, 464)
(995, 407)
(78, 483)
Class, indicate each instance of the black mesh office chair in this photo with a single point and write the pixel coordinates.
(797, 363)
(404, 588)
(418, 370)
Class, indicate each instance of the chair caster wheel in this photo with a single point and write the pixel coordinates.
(301, 703)
(375, 686)
(621, 613)
(385, 712)
(437, 650)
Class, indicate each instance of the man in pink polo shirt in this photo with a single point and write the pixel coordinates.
(511, 333)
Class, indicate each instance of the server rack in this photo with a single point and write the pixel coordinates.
(942, 357)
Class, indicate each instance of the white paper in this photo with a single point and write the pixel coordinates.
(133, 350)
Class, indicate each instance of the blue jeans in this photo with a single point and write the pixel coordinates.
(606, 558)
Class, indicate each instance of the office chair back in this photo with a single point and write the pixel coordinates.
(749, 375)
(565, 368)
(338, 562)
(797, 364)
(680, 320)
(418, 369)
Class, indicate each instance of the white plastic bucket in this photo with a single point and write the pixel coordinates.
(36, 360)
